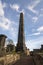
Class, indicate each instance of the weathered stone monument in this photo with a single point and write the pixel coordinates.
(2, 44)
(10, 48)
(21, 37)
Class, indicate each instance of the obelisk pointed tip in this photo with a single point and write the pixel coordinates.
(21, 13)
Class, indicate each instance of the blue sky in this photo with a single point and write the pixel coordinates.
(33, 20)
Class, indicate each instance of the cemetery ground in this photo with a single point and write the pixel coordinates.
(21, 59)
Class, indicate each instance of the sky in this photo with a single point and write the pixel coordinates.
(33, 21)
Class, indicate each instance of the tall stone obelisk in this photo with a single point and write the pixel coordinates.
(21, 38)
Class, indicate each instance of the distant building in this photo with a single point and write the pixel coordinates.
(38, 50)
(41, 47)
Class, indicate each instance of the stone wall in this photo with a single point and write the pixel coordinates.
(9, 59)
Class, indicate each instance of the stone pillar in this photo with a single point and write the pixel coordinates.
(2, 43)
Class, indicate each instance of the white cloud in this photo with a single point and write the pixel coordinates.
(34, 11)
(10, 26)
(2, 6)
(38, 33)
(35, 19)
(41, 12)
(33, 5)
(23, 11)
(1, 9)
(41, 9)
(2, 25)
(5, 23)
(40, 29)
(35, 34)
(15, 7)
(34, 43)
(33, 30)
(41, 15)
